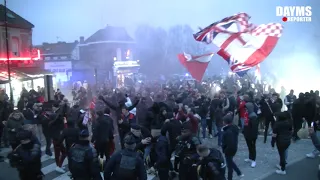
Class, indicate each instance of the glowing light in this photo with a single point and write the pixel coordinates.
(15, 82)
(128, 53)
(187, 74)
(114, 58)
(218, 88)
(38, 57)
(126, 64)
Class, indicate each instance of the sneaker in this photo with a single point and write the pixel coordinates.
(248, 160)
(210, 136)
(278, 167)
(50, 157)
(281, 172)
(60, 170)
(241, 175)
(253, 164)
(310, 155)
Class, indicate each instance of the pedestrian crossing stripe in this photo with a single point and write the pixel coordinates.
(49, 166)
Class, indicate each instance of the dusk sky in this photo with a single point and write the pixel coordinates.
(66, 20)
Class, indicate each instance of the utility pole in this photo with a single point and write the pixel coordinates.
(7, 49)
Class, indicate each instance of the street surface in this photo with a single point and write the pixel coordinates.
(267, 158)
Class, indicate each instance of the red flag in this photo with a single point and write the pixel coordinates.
(196, 65)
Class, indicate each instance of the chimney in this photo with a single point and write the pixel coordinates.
(81, 39)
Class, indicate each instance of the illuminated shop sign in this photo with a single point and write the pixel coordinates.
(125, 64)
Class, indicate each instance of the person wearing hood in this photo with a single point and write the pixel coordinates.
(186, 152)
(162, 155)
(282, 133)
(250, 132)
(14, 124)
(230, 144)
(27, 157)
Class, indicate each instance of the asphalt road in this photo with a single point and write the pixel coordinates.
(304, 169)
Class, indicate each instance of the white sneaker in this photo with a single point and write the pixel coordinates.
(60, 170)
(241, 176)
(253, 164)
(281, 172)
(278, 166)
(310, 155)
(210, 136)
(248, 160)
(50, 157)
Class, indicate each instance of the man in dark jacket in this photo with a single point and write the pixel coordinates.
(173, 128)
(27, 157)
(162, 153)
(103, 133)
(250, 132)
(142, 137)
(84, 163)
(126, 164)
(230, 145)
(56, 125)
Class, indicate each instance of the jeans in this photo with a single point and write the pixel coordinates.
(219, 136)
(204, 127)
(251, 143)
(209, 123)
(242, 122)
(315, 151)
(59, 153)
(214, 127)
(231, 166)
(103, 149)
(147, 151)
(282, 153)
(266, 127)
(48, 144)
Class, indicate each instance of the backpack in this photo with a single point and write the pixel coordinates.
(127, 167)
(78, 159)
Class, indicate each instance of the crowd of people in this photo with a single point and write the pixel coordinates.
(160, 128)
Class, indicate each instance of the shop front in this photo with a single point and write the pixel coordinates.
(124, 72)
(28, 78)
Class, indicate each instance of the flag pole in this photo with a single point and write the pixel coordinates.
(7, 49)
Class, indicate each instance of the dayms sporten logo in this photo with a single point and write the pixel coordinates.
(294, 13)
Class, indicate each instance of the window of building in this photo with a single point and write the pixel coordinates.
(15, 46)
(55, 58)
(47, 58)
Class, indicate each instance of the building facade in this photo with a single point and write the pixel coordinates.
(99, 53)
(25, 64)
(58, 59)
(19, 36)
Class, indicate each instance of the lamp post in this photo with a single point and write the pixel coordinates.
(7, 49)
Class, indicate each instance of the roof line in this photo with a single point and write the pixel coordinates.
(106, 42)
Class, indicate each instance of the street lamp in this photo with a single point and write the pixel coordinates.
(7, 49)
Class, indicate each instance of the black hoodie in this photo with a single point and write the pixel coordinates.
(230, 140)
